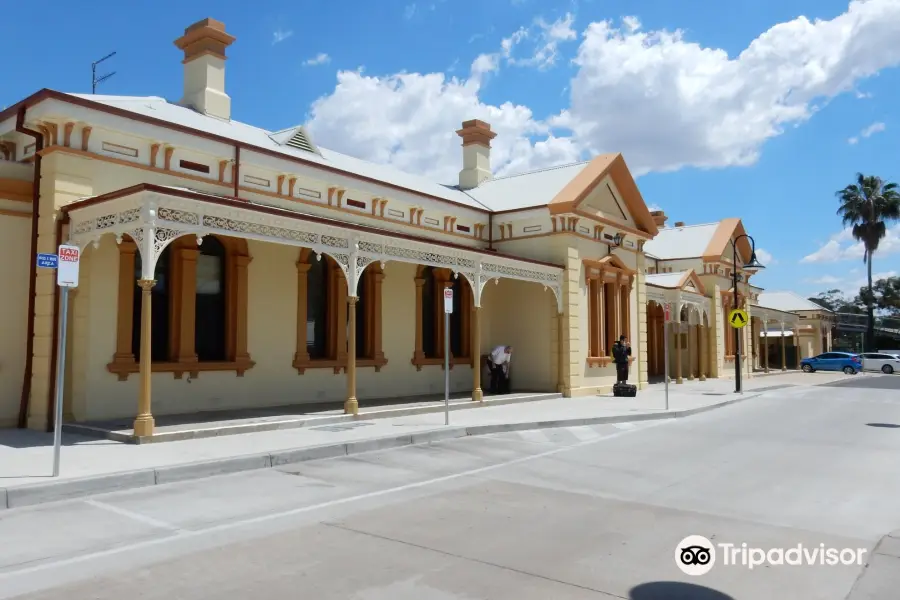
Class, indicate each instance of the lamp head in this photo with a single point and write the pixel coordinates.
(754, 263)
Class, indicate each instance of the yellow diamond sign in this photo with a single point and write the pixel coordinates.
(738, 318)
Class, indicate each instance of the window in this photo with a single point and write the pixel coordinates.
(210, 323)
(430, 284)
(609, 285)
(323, 319)
(198, 308)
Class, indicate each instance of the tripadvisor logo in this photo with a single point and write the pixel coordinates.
(696, 555)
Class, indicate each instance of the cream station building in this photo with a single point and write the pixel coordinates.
(691, 268)
(225, 266)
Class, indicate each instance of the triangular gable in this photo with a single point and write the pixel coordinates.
(720, 244)
(613, 166)
(690, 282)
(610, 262)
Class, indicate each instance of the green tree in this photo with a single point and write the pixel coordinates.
(835, 300)
(867, 206)
(886, 295)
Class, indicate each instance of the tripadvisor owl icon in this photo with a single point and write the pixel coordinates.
(695, 555)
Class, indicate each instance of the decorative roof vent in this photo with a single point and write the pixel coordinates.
(295, 137)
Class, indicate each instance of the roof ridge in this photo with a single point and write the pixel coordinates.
(553, 168)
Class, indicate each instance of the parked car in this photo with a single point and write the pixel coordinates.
(880, 361)
(849, 363)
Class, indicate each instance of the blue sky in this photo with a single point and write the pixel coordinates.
(739, 108)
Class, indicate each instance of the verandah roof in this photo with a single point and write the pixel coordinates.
(154, 215)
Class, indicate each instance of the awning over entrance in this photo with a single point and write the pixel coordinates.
(155, 215)
(680, 289)
(771, 315)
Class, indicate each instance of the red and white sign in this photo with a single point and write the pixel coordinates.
(668, 310)
(448, 300)
(67, 271)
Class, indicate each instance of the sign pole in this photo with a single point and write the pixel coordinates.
(446, 368)
(66, 263)
(666, 352)
(448, 308)
(60, 376)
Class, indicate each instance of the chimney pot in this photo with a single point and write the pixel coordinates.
(679, 223)
(476, 141)
(204, 44)
(659, 217)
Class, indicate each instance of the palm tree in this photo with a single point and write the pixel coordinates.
(867, 206)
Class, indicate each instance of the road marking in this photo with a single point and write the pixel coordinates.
(534, 435)
(625, 426)
(193, 533)
(584, 433)
(132, 515)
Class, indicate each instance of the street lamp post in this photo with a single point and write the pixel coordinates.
(751, 264)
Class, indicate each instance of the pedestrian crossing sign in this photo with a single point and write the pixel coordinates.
(738, 318)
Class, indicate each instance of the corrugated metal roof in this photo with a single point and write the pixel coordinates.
(525, 190)
(665, 280)
(689, 241)
(787, 302)
(159, 108)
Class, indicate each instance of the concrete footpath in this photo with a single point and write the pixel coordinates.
(92, 466)
(881, 576)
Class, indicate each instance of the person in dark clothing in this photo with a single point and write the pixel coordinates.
(621, 350)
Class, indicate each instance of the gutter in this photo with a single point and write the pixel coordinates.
(32, 279)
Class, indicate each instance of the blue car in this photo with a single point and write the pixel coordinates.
(849, 363)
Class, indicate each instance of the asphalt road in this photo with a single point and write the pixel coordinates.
(576, 513)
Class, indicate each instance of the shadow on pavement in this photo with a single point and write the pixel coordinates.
(675, 590)
(885, 425)
(867, 381)
(28, 438)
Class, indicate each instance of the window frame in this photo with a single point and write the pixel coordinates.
(442, 278)
(609, 286)
(182, 271)
(337, 320)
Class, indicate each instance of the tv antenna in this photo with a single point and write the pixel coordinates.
(94, 79)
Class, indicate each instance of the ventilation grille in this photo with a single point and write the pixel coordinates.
(299, 141)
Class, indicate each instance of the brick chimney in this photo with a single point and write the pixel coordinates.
(204, 45)
(660, 218)
(476, 141)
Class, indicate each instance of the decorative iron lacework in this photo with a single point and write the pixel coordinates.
(151, 216)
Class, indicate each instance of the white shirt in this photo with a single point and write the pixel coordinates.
(499, 355)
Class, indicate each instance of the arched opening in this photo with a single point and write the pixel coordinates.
(198, 307)
(656, 367)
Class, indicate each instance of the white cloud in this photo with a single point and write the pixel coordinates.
(548, 36)
(863, 281)
(868, 132)
(409, 11)
(653, 207)
(663, 100)
(279, 35)
(842, 246)
(765, 257)
(319, 59)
